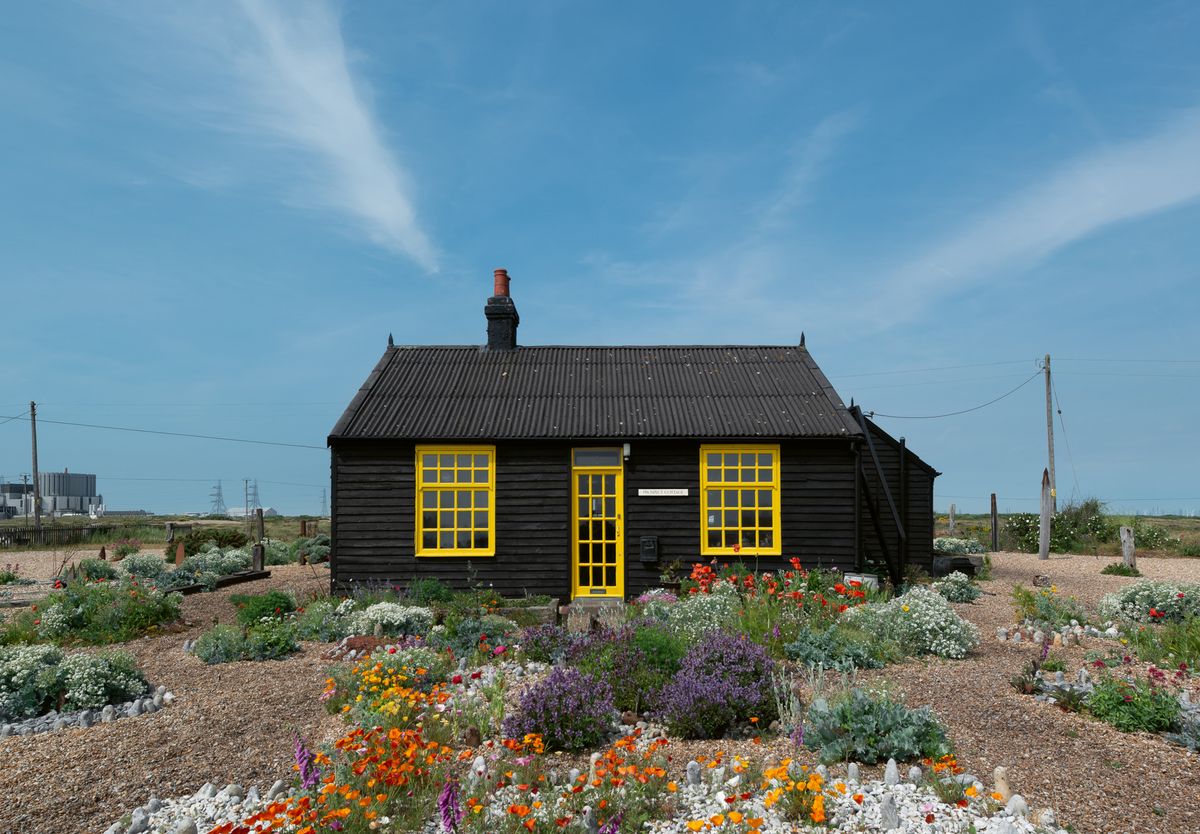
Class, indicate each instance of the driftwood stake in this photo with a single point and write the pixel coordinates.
(1128, 556)
(1047, 514)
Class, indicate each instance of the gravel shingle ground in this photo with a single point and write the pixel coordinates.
(234, 723)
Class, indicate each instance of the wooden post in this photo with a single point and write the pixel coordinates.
(1127, 553)
(303, 528)
(37, 488)
(170, 531)
(1047, 515)
(950, 526)
(104, 554)
(258, 553)
(179, 556)
(1050, 438)
(258, 521)
(995, 527)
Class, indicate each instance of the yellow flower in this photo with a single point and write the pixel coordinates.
(970, 791)
(904, 607)
(1054, 589)
(696, 825)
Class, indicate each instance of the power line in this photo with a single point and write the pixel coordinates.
(1144, 361)
(926, 370)
(17, 417)
(1036, 374)
(178, 434)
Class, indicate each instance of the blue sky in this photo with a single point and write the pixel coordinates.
(215, 213)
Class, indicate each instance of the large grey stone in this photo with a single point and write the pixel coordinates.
(108, 714)
(889, 817)
(278, 788)
(185, 826)
(693, 772)
(138, 822)
(1017, 806)
(852, 771)
(891, 773)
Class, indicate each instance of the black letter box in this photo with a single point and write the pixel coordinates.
(649, 549)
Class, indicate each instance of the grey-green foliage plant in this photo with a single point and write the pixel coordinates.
(840, 648)
(94, 569)
(872, 727)
(266, 640)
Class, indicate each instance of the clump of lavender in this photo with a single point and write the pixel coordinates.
(571, 710)
(450, 811)
(722, 680)
(546, 643)
(310, 774)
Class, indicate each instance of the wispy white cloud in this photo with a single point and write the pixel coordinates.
(807, 164)
(279, 75)
(1119, 183)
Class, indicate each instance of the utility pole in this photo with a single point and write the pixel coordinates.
(323, 505)
(37, 490)
(1050, 437)
(25, 495)
(246, 503)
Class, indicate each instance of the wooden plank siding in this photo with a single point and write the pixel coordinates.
(374, 503)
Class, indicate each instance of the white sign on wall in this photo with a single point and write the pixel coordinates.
(664, 492)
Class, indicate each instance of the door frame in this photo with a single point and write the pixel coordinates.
(617, 591)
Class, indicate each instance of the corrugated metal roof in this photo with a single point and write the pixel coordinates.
(466, 393)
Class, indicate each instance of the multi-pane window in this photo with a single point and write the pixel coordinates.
(456, 501)
(739, 488)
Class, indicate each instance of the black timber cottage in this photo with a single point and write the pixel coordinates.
(583, 471)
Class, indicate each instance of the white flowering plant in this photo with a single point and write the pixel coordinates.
(697, 614)
(1152, 602)
(390, 619)
(949, 544)
(958, 587)
(921, 621)
(36, 678)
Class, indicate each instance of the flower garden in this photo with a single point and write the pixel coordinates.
(745, 702)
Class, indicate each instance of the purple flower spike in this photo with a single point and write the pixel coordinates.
(449, 810)
(310, 775)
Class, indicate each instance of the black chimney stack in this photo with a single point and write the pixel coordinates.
(502, 317)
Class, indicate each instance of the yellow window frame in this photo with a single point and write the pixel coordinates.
(727, 477)
(450, 490)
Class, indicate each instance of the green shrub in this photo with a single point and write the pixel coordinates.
(429, 589)
(1046, 605)
(958, 587)
(946, 544)
(265, 640)
(320, 621)
(1133, 706)
(252, 608)
(277, 553)
(220, 644)
(94, 570)
(635, 661)
(90, 613)
(126, 547)
(1151, 536)
(271, 640)
(312, 549)
(35, 679)
(839, 647)
(195, 541)
(1075, 527)
(1120, 569)
(391, 620)
(919, 621)
(1169, 644)
(871, 727)
(143, 565)
(483, 634)
(1150, 601)
(1192, 549)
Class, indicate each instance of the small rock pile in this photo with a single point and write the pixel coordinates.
(201, 811)
(152, 701)
(1068, 635)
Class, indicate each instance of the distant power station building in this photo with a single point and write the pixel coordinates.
(62, 493)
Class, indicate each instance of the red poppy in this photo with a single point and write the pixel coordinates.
(456, 679)
(929, 818)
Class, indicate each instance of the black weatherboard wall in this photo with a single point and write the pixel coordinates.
(535, 404)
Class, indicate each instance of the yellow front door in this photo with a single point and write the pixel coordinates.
(597, 522)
